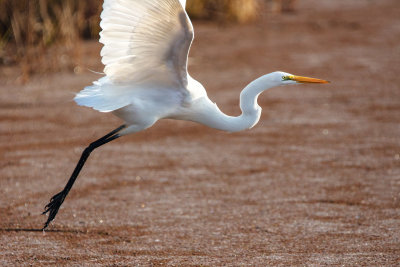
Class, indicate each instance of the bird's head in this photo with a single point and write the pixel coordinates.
(278, 78)
(284, 78)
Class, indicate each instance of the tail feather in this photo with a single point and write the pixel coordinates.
(102, 96)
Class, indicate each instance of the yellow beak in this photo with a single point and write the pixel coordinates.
(301, 79)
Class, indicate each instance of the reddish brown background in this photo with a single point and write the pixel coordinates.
(316, 182)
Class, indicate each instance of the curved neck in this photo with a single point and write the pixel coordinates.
(209, 114)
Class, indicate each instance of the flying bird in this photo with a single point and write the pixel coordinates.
(145, 53)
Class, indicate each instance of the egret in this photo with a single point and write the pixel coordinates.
(145, 53)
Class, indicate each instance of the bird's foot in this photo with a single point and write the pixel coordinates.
(53, 206)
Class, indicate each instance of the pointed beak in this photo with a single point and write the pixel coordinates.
(301, 79)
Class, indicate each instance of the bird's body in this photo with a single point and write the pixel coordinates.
(145, 53)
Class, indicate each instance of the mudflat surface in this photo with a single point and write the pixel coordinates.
(316, 182)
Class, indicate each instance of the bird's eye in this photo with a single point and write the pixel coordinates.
(285, 78)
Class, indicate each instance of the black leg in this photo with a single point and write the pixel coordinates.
(58, 199)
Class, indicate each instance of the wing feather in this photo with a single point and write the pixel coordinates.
(145, 37)
(146, 42)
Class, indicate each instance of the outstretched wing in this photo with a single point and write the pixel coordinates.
(145, 41)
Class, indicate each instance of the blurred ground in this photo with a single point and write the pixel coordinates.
(316, 182)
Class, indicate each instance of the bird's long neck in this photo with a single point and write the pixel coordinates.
(212, 116)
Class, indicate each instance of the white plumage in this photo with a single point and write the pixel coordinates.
(146, 44)
(145, 53)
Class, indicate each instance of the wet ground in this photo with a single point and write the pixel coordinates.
(316, 182)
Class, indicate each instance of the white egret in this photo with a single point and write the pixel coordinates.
(145, 53)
